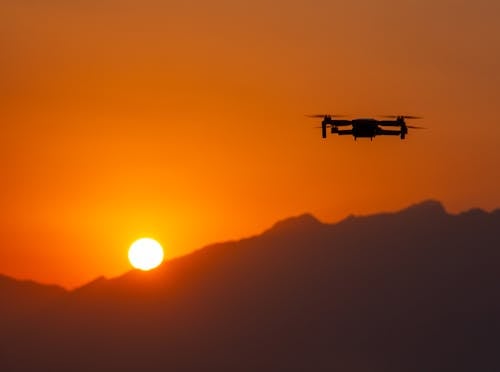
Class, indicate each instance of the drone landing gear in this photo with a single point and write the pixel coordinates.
(323, 130)
(404, 130)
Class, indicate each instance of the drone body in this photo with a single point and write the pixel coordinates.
(366, 127)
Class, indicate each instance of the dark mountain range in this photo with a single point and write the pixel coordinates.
(19, 299)
(417, 290)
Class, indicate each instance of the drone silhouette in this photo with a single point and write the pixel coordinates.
(366, 127)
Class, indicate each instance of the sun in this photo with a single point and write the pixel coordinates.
(145, 254)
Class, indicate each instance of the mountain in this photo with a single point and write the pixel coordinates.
(415, 290)
(19, 298)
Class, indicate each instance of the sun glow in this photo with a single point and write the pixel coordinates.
(145, 254)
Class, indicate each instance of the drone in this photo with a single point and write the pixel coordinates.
(366, 127)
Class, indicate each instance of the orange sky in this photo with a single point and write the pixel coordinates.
(185, 122)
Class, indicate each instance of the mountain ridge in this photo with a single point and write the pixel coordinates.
(304, 221)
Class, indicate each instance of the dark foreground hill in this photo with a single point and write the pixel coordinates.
(417, 290)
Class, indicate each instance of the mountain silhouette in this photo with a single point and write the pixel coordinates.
(20, 298)
(416, 290)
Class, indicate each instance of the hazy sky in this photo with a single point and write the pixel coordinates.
(184, 120)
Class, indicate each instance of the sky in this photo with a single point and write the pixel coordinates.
(184, 121)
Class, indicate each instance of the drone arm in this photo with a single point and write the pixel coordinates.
(345, 132)
(341, 123)
(385, 132)
(389, 123)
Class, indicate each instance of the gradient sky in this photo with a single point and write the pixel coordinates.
(184, 121)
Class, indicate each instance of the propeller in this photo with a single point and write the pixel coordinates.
(401, 116)
(415, 127)
(320, 116)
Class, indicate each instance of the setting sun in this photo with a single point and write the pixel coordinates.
(145, 254)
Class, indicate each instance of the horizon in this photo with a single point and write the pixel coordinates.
(270, 227)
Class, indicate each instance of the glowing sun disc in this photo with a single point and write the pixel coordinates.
(145, 254)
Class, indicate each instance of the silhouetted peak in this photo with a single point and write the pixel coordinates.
(474, 212)
(10, 280)
(303, 222)
(5, 278)
(426, 208)
(92, 284)
(7, 281)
